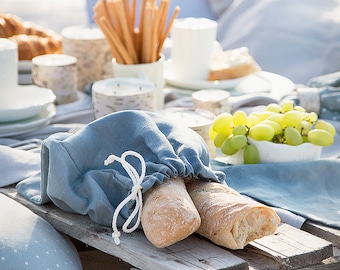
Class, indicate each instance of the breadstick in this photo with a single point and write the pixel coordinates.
(127, 37)
(163, 11)
(168, 215)
(167, 31)
(114, 19)
(146, 34)
(154, 31)
(118, 42)
(114, 49)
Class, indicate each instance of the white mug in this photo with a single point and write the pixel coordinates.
(153, 71)
(192, 48)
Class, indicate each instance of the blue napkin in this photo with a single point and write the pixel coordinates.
(75, 178)
(309, 189)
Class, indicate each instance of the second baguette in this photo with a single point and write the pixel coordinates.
(227, 218)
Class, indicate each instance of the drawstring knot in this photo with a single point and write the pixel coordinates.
(135, 195)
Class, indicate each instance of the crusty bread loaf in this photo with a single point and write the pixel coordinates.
(168, 213)
(233, 64)
(32, 39)
(227, 218)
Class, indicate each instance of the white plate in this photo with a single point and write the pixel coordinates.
(30, 124)
(171, 79)
(29, 101)
(274, 85)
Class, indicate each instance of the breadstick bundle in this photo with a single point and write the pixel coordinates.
(133, 42)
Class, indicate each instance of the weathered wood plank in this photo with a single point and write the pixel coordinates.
(327, 233)
(328, 264)
(135, 249)
(289, 248)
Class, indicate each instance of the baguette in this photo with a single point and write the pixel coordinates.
(227, 218)
(168, 215)
(232, 64)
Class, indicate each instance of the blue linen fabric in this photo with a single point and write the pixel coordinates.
(309, 189)
(74, 177)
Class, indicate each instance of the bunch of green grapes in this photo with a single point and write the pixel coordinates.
(279, 123)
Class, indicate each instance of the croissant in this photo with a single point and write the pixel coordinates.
(32, 39)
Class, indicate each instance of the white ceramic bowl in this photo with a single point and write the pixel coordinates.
(276, 152)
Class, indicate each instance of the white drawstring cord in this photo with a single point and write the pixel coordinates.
(136, 193)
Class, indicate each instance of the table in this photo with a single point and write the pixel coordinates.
(313, 247)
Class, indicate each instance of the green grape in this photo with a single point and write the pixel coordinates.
(322, 124)
(274, 107)
(264, 115)
(278, 119)
(212, 133)
(312, 117)
(304, 127)
(226, 147)
(251, 154)
(238, 141)
(240, 130)
(220, 138)
(320, 137)
(292, 136)
(222, 122)
(261, 132)
(252, 120)
(299, 108)
(287, 105)
(277, 128)
(292, 118)
(239, 118)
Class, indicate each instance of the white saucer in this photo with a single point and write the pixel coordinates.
(29, 101)
(30, 124)
(171, 79)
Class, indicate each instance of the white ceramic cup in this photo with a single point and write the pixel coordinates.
(8, 71)
(153, 71)
(192, 47)
(118, 94)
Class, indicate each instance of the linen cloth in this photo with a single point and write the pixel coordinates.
(309, 189)
(75, 178)
(298, 45)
